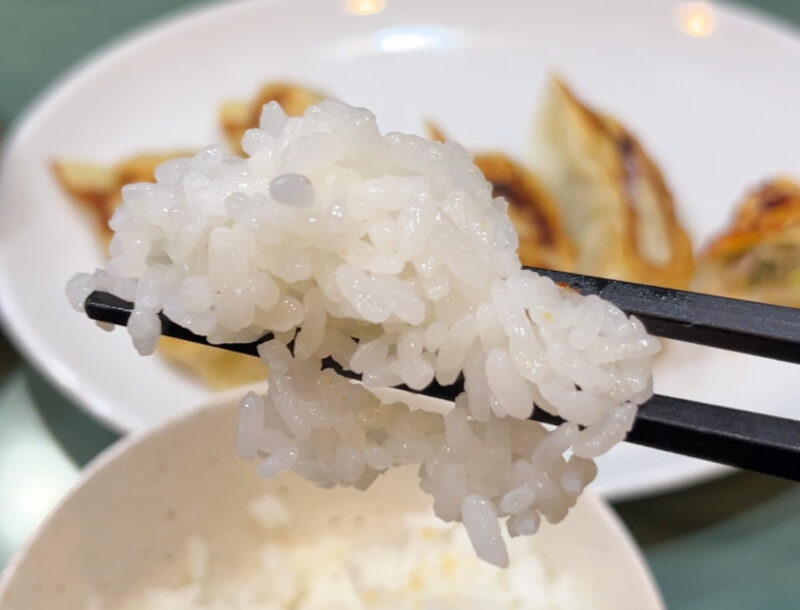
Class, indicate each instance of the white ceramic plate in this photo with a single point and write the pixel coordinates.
(127, 520)
(719, 113)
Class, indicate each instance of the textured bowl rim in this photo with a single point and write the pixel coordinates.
(223, 400)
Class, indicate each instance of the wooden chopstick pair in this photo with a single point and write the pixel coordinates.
(743, 439)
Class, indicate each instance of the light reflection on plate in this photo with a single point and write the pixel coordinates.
(696, 19)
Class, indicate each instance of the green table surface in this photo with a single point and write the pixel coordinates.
(733, 544)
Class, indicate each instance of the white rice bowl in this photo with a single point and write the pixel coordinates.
(174, 517)
(389, 255)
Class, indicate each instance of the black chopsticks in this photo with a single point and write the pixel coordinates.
(742, 326)
(743, 439)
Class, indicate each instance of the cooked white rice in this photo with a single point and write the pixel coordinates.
(421, 564)
(389, 254)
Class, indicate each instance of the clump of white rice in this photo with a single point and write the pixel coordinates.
(420, 564)
(389, 254)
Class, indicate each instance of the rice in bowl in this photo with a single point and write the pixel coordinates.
(422, 563)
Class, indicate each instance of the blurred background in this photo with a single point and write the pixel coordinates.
(730, 544)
